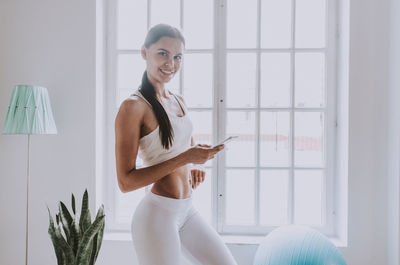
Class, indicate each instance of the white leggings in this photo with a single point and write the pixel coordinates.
(163, 228)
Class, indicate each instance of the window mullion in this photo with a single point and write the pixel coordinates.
(219, 103)
(148, 14)
(182, 2)
(331, 112)
(180, 89)
(257, 138)
(292, 104)
(111, 94)
(147, 188)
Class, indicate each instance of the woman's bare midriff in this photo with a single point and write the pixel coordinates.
(175, 185)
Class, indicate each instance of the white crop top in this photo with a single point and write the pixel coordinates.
(151, 150)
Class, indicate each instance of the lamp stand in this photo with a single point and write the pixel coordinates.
(27, 206)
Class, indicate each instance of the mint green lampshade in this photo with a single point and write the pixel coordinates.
(29, 112)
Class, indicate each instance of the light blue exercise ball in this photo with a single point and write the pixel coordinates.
(297, 245)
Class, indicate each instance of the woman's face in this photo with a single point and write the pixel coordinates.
(163, 59)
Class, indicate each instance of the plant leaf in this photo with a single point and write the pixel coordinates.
(93, 250)
(88, 254)
(52, 233)
(101, 232)
(66, 220)
(85, 220)
(84, 250)
(99, 241)
(74, 237)
(98, 238)
(65, 213)
(73, 203)
(67, 250)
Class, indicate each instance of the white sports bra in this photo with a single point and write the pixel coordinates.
(151, 150)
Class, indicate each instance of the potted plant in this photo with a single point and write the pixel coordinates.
(77, 243)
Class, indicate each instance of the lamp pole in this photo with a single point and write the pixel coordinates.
(27, 206)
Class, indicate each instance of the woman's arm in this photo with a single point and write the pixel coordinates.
(138, 178)
(127, 134)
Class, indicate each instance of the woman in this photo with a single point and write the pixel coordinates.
(154, 124)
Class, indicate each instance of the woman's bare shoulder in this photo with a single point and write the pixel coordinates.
(133, 105)
(134, 102)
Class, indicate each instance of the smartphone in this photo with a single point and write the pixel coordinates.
(227, 140)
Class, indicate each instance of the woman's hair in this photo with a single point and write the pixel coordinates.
(147, 89)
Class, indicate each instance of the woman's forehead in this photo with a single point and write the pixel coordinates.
(172, 45)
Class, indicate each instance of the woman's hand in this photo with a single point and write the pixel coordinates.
(200, 153)
(197, 177)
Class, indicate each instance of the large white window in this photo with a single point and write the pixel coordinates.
(261, 69)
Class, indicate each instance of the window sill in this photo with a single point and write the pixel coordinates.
(228, 239)
(256, 240)
(242, 239)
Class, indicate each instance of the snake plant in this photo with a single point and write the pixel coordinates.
(77, 243)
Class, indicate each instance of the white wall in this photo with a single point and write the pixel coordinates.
(52, 43)
(394, 137)
(369, 22)
(49, 43)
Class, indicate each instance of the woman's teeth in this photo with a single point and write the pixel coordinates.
(166, 72)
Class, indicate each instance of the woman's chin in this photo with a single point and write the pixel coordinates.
(166, 79)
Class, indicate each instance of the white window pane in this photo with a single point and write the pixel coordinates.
(130, 69)
(241, 80)
(274, 139)
(125, 205)
(274, 191)
(308, 145)
(308, 197)
(240, 207)
(202, 129)
(198, 35)
(275, 80)
(241, 151)
(310, 80)
(131, 23)
(276, 19)
(241, 23)
(167, 12)
(310, 23)
(202, 126)
(202, 197)
(197, 80)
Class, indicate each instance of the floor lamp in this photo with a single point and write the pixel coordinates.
(29, 113)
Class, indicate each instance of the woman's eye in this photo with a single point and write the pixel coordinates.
(163, 54)
(178, 57)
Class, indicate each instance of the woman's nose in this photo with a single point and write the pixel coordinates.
(170, 63)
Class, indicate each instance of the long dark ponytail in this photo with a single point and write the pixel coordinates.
(147, 89)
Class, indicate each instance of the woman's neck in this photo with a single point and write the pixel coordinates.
(159, 88)
(162, 92)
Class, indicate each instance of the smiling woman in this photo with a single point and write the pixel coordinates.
(165, 221)
(162, 60)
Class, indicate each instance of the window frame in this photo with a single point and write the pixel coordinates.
(219, 110)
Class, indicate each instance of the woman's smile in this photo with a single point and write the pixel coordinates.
(167, 72)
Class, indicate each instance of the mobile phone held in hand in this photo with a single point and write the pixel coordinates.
(227, 140)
